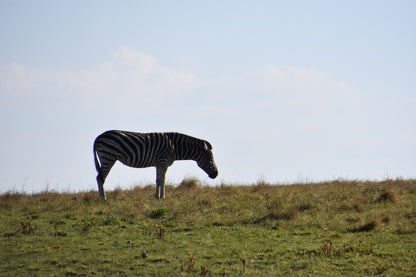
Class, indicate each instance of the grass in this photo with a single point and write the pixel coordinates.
(338, 228)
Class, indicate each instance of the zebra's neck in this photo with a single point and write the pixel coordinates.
(185, 147)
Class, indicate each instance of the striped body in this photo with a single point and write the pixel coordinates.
(150, 149)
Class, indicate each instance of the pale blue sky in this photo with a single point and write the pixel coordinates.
(285, 91)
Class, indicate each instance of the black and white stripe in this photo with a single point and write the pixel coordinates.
(150, 149)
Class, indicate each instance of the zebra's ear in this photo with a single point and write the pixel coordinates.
(207, 145)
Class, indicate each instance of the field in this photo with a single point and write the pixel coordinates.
(326, 229)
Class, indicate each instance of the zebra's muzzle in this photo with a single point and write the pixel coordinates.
(213, 175)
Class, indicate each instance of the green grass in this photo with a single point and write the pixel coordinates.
(327, 229)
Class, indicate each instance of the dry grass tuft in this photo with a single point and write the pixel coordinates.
(189, 183)
(358, 207)
(366, 227)
(89, 197)
(9, 199)
(388, 196)
(158, 213)
(289, 214)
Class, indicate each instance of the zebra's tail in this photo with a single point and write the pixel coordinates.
(97, 164)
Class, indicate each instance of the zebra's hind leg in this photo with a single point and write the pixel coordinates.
(100, 183)
(160, 182)
(102, 174)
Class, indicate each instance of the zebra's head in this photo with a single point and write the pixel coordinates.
(206, 160)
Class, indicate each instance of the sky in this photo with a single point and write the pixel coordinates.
(285, 91)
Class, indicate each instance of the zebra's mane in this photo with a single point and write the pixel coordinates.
(176, 137)
(184, 143)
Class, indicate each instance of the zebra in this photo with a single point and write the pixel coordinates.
(147, 150)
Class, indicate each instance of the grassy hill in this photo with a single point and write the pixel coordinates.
(327, 229)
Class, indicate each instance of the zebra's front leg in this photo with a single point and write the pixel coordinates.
(160, 182)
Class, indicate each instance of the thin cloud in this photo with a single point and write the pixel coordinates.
(127, 77)
(133, 76)
(139, 62)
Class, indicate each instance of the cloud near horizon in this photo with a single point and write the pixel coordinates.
(129, 75)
